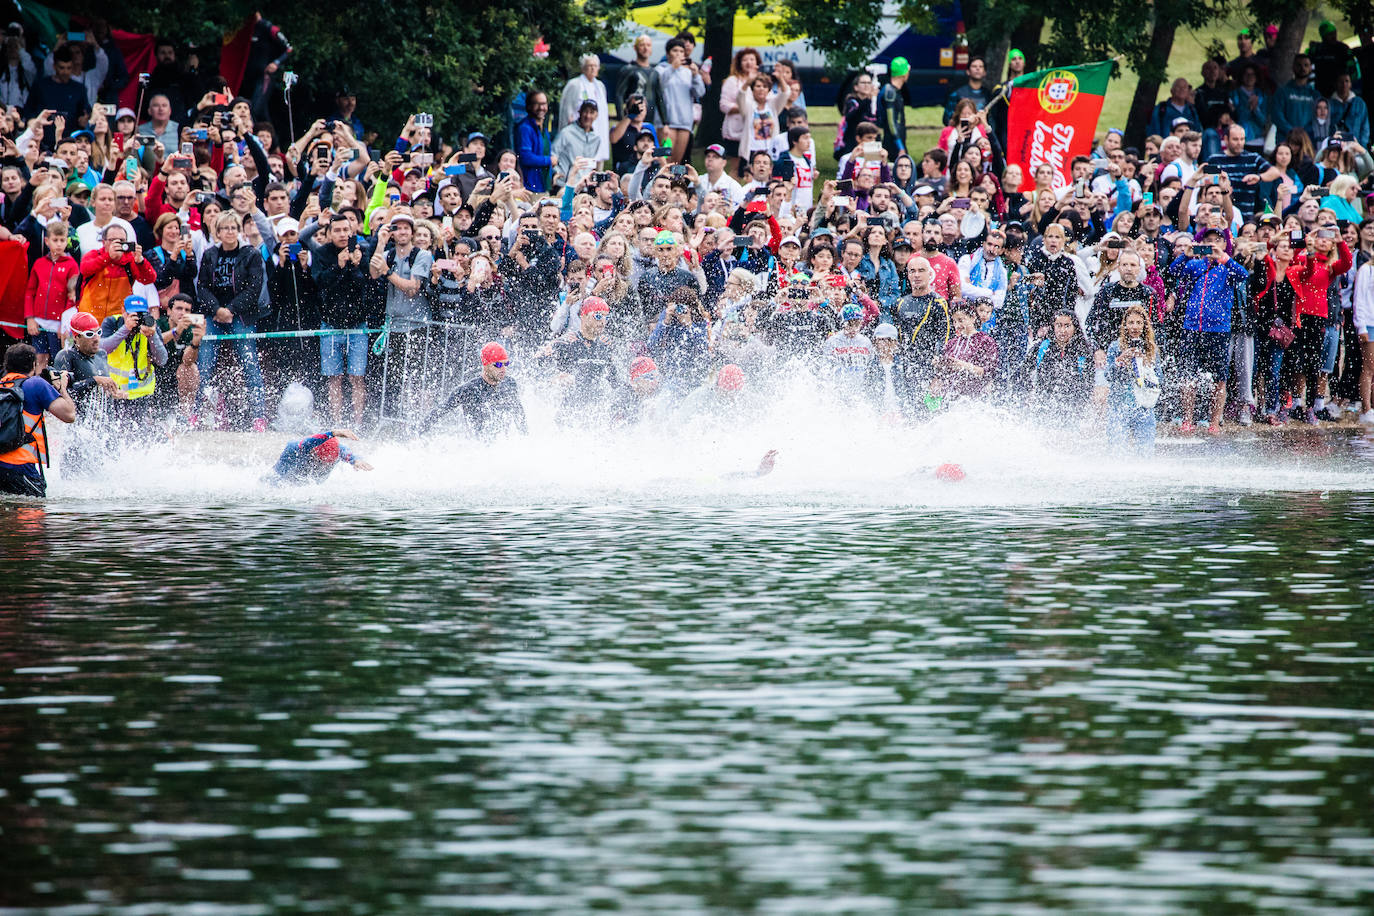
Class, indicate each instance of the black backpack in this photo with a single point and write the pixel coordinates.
(14, 431)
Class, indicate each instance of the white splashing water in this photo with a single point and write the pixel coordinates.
(830, 452)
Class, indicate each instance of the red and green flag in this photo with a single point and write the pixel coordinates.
(1052, 116)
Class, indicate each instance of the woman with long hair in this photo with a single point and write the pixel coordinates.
(744, 66)
(1133, 384)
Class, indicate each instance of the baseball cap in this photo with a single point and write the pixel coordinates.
(84, 321)
(1269, 218)
(402, 218)
(125, 113)
(730, 378)
(641, 367)
(287, 224)
(1177, 121)
(79, 134)
(851, 313)
(1271, 29)
(477, 135)
(327, 451)
(135, 303)
(923, 189)
(884, 331)
(1326, 27)
(789, 240)
(588, 103)
(593, 304)
(899, 67)
(902, 241)
(717, 149)
(493, 353)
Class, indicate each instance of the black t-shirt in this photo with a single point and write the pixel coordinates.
(1244, 196)
(623, 150)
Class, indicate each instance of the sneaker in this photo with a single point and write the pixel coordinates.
(1326, 414)
(259, 424)
(1310, 418)
(1247, 415)
(1367, 418)
(1188, 428)
(1273, 419)
(1214, 429)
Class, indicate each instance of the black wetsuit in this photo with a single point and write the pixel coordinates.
(491, 409)
(592, 366)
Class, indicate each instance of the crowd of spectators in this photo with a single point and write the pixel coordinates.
(1230, 254)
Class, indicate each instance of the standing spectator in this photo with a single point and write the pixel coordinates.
(1330, 57)
(228, 289)
(344, 288)
(1246, 57)
(1294, 101)
(1250, 106)
(972, 90)
(576, 141)
(267, 54)
(1313, 273)
(1179, 104)
(638, 77)
(892, 108)
(533, 142)
(682, 87)
(859, 107)
(18, 73)
(744, 66)
(1349, 112)
(1245, 168)
(1212, 97)
(59, 92)
(90, 64)
(169, 77)
(580, 89)
(1212, 281)
(110, 271)
(160, 125)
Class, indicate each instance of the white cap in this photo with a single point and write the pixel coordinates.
(789, 240)
(401, 218)
(286, 224)
(125, 113)
(884, 331)
(923, 189)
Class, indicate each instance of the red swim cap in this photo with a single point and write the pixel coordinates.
(950, 472)
(327, 451)
(493, 353)
(642, 365)
(594, 304)
(731, 378)
(84, 321)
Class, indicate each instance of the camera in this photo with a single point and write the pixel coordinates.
(52, 376)
(1137, 343)
(532, 235)
(147, 320)
(467, 157)
(677, 171)
(424, 119)
(1202, 251)
(634, 105)
(1116, 243)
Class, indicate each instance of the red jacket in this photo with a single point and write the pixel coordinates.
(1311, 274)
(46, 295)
(154, 204)
(107, 282)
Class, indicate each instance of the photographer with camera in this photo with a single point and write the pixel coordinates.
(531, 272)
(110, 271)
(178, 378)
(133, 347)
(627, 131)
(24, 398)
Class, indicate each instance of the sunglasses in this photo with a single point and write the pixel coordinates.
(501, 363)
(87, 334)
(647, 377)
(599, 316)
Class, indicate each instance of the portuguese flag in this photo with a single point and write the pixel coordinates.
(1051, 117)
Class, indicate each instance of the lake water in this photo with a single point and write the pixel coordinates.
(524, 680)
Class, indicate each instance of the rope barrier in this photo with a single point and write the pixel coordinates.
(262, 335)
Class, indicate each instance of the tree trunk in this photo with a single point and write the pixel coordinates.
(718, 43)
(1156, 63)
(1288, 44)
(996, 59)
(1026, 38)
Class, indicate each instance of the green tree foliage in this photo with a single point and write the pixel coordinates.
(462, 60)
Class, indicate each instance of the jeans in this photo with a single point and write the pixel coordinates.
(1130, 428)
(247, 352)
(1269, 363)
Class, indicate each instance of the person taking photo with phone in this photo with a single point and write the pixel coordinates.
(110, 271)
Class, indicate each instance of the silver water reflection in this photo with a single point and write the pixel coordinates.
(1155, 708)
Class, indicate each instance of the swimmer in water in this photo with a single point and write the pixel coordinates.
(312, 459)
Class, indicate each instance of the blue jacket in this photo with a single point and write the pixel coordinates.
(1165, 113)
(1256, 123)
(1351, 116)
(297, 463)
(882, 281)
(1292, 106)
(532, 144)
(1212, 292)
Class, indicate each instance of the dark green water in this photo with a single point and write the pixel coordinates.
(1161, 707)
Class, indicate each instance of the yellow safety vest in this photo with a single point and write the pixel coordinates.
(130, 366)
